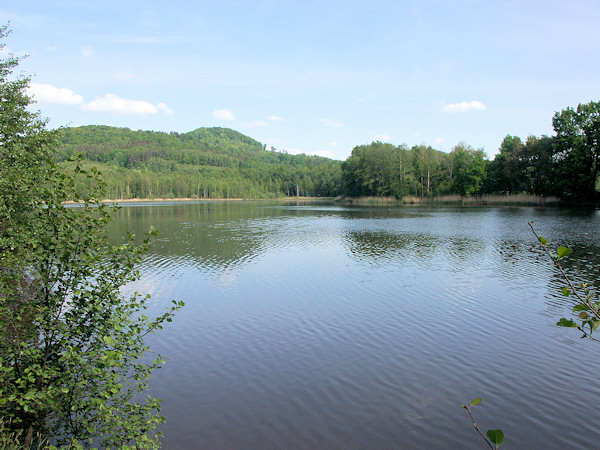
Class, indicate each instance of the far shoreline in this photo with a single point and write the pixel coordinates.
(408, 201)
(192, 200)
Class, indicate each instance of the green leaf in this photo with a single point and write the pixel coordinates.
(496, 436)
(543, 240)
(581, 307)
(583, 315)
(566, 291)
(566, 323)
(563, 251)
(476, 401)
(587, 322)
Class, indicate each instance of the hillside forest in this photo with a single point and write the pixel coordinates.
(223, 163)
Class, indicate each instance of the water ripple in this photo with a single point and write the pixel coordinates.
(327, 327)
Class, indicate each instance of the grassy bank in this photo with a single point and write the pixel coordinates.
(458, 200)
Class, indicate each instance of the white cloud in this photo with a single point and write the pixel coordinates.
(223, 114)
(87, 51)
(276, 119)
(112, 104)
(382, 137)
(438, 141)
(333, 144)
(255, 123)
(464, 106)
(331, 123)
(164, 108)
(46, 93)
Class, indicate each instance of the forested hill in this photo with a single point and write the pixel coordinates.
(204, 163)
(222, 163)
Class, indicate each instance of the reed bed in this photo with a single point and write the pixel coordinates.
(502, 200)
(371, 201)
(461, 200)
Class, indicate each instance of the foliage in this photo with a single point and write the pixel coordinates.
(508, 167)
(524, 168)
(381, 169)
(577, 147)
(566, 165)
(204, 163)
(538, 171)
(371, 170)
(11, 439)
(469, 170)
(72, 352)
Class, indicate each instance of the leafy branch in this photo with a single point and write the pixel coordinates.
(589, 314)
(495, 437)
(589, 310)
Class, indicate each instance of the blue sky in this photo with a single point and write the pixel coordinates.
(318, 77)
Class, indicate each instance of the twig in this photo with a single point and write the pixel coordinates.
(468, 408)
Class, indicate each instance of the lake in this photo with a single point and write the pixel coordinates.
(321, 326)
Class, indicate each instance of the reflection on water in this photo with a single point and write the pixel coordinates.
(318, 326)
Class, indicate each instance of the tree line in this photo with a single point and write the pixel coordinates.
(380, 169)
(222, 163)
(565, 165)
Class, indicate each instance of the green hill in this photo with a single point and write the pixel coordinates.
(204, 163)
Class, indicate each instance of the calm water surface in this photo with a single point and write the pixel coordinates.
(319, 326)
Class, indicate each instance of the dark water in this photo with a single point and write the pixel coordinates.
(327, 327)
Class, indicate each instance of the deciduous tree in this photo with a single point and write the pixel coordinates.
(577, 147)
(72, 351)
